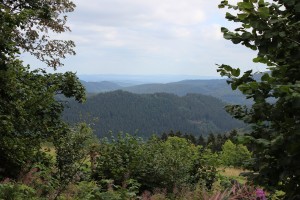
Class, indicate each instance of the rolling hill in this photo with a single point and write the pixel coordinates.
(146, 114)
(216, 87)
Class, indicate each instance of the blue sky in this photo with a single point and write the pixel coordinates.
(151, 37)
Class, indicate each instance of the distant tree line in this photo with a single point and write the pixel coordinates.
(211, 141)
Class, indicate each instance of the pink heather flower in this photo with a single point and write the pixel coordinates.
(260, 194)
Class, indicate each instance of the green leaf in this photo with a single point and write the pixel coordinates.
(257, 59)
(246, 35)
(263, 12)
(236, 72)
(230, 16)
(236, 40)
(245, 5)
(242, 16)
(246, 25)
(284, 88)
(265, 77)
(233, 86)
(228, 36)
(243, 88)
(253, 85)
(227, 67)
(261, 3)
(224, 30)
(223, 4)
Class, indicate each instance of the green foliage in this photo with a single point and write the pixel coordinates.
(30, 105)
(25, 26)
(235, 155)
(88, 190)
(29, 112)
(119, 158)
(215, 142)
(272, 28)
(176, 161)
(11, 191)
(169, 164)
(189, 137)
(72, 154)
(206, 168)
(119, 193)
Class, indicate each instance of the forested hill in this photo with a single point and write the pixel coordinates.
(216, 87)
(152, 113)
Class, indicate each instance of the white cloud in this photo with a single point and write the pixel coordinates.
(212, 32)
(182, 32)
(150, 36)
(141, 11)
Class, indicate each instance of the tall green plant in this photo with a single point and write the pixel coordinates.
(72, 156)
(235, 155)
(119, 158)
(273, 29)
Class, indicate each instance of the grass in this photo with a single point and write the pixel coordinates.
(230, 172)
(233, 173)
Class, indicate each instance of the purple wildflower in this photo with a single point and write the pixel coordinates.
(260, 194)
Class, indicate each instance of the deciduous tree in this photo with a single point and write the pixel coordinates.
(235, 155)
(30, 113)
(273, 29)
(25, 27)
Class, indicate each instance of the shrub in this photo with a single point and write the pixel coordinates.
(235, 155)
(15, 191)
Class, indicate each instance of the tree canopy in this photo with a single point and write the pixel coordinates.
(272, 28)
(25, 26)
(30, 113)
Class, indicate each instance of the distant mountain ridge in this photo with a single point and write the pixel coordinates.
(103, 86)
(216, 87)
(140, 79)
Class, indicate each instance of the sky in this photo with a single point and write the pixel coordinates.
(151, 37)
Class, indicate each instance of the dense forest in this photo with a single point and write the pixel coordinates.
(147, 114)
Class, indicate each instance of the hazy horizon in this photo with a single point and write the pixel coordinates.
(142, 78)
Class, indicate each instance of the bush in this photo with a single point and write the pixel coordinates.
(174, 163)
(15, 191)
(235, 155)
